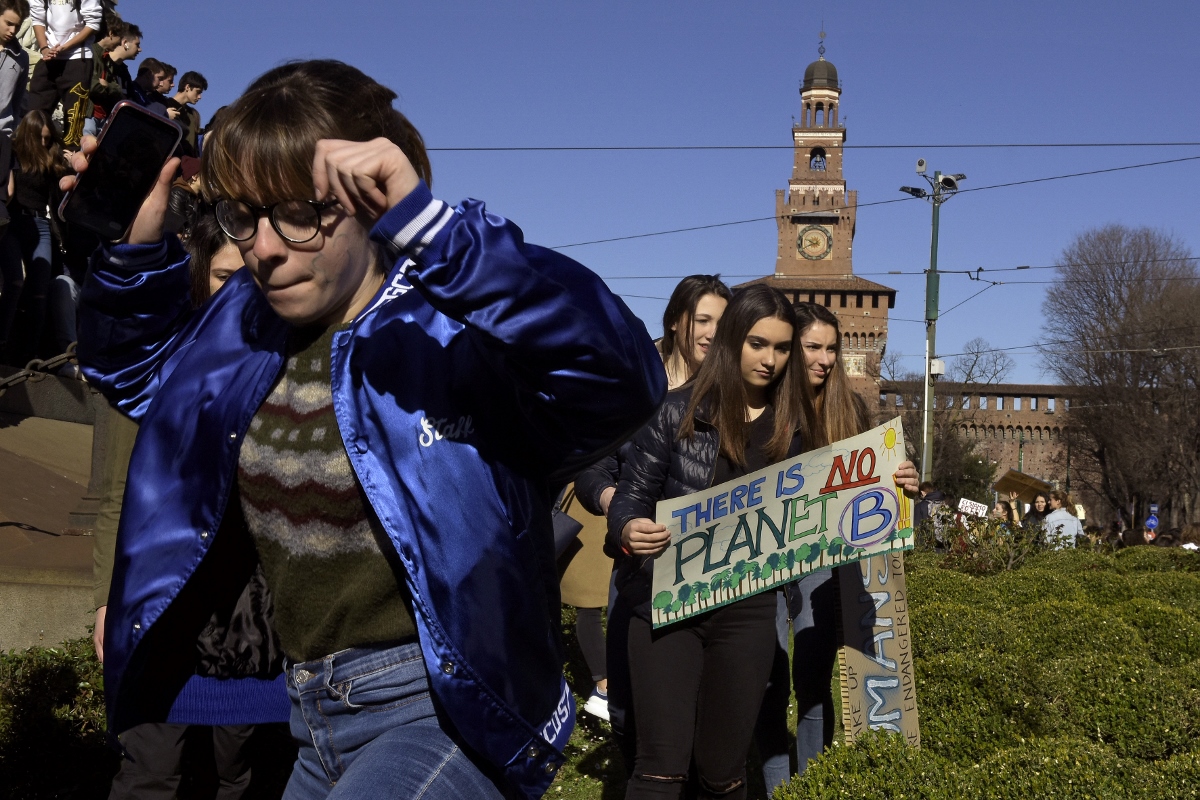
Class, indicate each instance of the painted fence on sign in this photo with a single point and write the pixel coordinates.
(831, 506)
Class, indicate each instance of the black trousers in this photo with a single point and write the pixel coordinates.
(153, 762)
(68, 81)
(697, 689)
(621, 716)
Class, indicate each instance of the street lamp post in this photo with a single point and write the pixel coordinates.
(943, 188)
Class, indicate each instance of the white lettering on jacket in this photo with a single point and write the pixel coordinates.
(397, 288)
(434, 430)
(558, 720)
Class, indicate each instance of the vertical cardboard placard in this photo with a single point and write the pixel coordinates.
(879, 689)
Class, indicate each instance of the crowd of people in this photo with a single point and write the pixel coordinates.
(63, 67)
(1052, 515)
(342, 413)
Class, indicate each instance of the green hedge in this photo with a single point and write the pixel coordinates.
(52, 724)
(1076, 676)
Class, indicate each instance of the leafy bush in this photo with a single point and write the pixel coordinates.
(52, 724)
(1076, 676)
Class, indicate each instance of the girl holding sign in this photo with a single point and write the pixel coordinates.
(698, 684)
(689, 324)
(813, 600)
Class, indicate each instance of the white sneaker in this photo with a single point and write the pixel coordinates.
(597, 705)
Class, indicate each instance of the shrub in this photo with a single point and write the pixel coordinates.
(1075, 676)
(1157, 559)
(52, 724)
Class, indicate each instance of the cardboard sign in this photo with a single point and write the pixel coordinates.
(836, 505)
(878, 686)
(971, 507)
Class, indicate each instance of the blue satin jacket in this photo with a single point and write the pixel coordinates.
(463, 405)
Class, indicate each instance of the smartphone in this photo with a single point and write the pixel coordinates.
(130, 154)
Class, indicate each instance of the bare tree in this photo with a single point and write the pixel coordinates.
(1123, 323)
(958, 470)
(981, 364)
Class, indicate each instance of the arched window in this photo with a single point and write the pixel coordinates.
(816, 159)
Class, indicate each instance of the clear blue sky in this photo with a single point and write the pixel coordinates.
(720, 73)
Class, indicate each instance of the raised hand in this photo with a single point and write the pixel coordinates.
(364, 177)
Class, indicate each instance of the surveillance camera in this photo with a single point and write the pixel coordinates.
(948, 183)
(920, 166)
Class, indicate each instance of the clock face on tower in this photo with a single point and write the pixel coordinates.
(815, 242)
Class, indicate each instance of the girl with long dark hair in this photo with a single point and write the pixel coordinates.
(689, 324)
(1039, 509)
(33, 191)
(812, 602)
(697, 684)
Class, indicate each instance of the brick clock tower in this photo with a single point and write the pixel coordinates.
(816, 220)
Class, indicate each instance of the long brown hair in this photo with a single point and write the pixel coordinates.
(205, 240)
(681, 310)
(262, 150)
(719, 393)
(840, 410)
(32, 155)
(1064, 499)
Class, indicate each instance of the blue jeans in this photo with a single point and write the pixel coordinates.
(367, 727)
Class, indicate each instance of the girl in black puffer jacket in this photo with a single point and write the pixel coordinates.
(698, 684)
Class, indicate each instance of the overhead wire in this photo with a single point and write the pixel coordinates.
(876, 203)
(1037, 345)
(702, 147)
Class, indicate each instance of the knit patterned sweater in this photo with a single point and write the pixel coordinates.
(317, 539)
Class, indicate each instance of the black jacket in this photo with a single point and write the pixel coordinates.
(923, 509)
(658, 465)
(605, 473)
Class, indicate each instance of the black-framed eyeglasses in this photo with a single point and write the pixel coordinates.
(297, 221)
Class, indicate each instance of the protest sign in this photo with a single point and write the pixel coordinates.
(836, 505)
(971, 507)
(878, 686)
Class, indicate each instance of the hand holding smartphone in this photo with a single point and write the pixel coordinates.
(125, 165)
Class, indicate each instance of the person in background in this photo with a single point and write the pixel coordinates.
(931, 497)
(112, 79)
(213, 121)
(14, 75)
(184, 203)
(811, 603)
(1003, 511)
(152, 765)
(1038, 510)
(1061, 524)
(144, 90)
(689, 324)
(64, 32)
(14, 71)
(33, 191)
(191, 87)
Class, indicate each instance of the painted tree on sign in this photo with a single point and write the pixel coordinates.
(662, 602)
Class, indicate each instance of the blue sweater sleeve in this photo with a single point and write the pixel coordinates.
(133, 308)
(585, 366)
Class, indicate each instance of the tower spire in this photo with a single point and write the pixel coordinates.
(821, 46)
